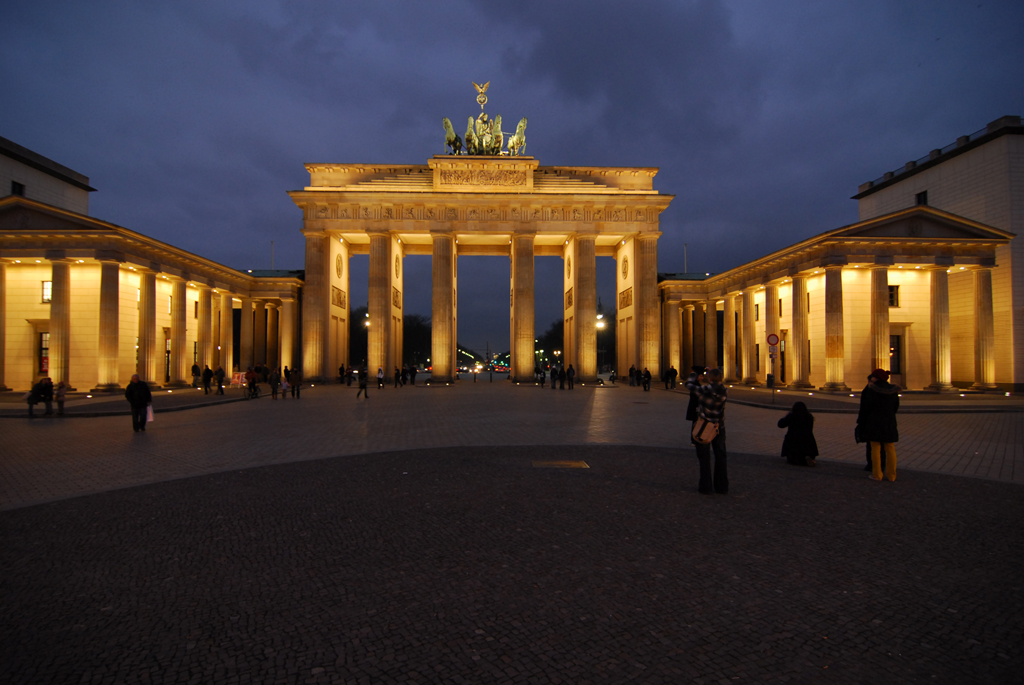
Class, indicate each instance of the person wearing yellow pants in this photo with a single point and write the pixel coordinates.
(879, 402)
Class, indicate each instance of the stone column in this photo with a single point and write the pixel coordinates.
(379, 305)
(273, 336)
(711, 334)
(880, 317)
(586, 309)
(835, 351)
(148, 360)
(227, 334)
(699, 339)
(522, 308)
(772, 324)
(687, 340)
(60, 321)
(729, 339)
(204, 332)
(260, 332)
(316, 304)
(749, 357)
(670, 326)
(984, 331)
(797, 351)
(215, 330)
(942, 358)
(3, 323)
(645, 247)
(180, 365)
(108, 357)
(442, 342)
(287, 332)
(245, 360)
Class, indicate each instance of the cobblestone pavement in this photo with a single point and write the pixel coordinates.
(467, 565)
(46, 460)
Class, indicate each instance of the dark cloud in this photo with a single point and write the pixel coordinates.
(194, 118)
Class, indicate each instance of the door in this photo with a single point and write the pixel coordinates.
(896, 360)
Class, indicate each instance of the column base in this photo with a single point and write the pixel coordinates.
(107, 387)
(834, 387)
(751, 381)
(155, 386)
(4, 388)
(178, 384)
(942, 387)
(800, 385)
(984, 387)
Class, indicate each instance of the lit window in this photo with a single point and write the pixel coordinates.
(44, 353)
(894, 296)
(757, 312)
(47, 291)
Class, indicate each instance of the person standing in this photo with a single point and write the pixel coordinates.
(711, 397)
(207, 378)
(646, 380)
(412, 374)
(196, 374)
(219, 375)
(296, 383)
(59, 394)
(879, 402)
(363, 382)
(398, 378)
(570, 375)
(47, 395)
(554, 376)
(632, 376)
(799, 446)
(696, 378)
(35, 396)
(380, 378)
(562, 375)
(341, 373)
(275, 380)
(405, 374)
(139, 397)
(672, 375)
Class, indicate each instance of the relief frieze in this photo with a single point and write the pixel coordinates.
(482, 177)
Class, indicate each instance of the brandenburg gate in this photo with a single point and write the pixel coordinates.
(489, 203)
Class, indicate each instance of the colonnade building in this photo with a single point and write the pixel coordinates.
(929, 283)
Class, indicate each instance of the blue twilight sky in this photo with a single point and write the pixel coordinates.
(192, 119)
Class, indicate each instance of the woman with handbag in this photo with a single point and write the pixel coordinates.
(709, 431)
(879, 402)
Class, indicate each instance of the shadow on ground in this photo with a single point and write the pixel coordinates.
(468, 565)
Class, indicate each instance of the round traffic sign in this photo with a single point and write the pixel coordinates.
(773, 339)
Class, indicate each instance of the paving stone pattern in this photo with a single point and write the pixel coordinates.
(466, 565)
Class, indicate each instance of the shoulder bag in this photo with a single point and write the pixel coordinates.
(704, 431)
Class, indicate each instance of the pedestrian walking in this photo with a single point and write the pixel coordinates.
(562, 375)
(196, 375)
(296, 383)
(632, 376)
(570, 376)
(139, 398)
(363, 382)
(59, 394)
(711, 396)
(646, 380)
(219, 375)
(34, 397)
(799, 446)
(405, 374)
(876, 422)
(398, 378)
(412, 374)
(380, 378)
(275, 380)
(207, 378)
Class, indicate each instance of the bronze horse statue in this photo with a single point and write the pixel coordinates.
(451, 138)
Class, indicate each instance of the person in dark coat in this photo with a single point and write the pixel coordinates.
(207, 379)
(363, 390)
(570, 375)
(645, 379)
(695, 379)
(561, 378)
(139, 397)
(879, 402)
(219, 375)
(412, 374)
(35, 396)
(799, 446)
(632, 376)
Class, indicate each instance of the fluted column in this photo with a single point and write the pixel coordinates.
(688, 361)
(749, 336)
(273, 336)
(245, 360)
(315, 307)
(148, 362)
(880, 318)
(522, 308)
(670, 329)
(942, 358)
(442, 342)
(107, 358)
(379, 305)
(646, 248)
(3, 323)
(729, 339)
(60, 321)
(288, 330)
(772, 324)
(204, 332)
(179, 356)
(797, 351)
(699, 339)
(586, 309)
(984, 331)
(711, 334)
(259, 332)
(227, 333)
(835, 351)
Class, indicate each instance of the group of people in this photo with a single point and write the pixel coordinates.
(206, 378)
(876, 426)
(638, 378)
(560, 376)
(45, 392)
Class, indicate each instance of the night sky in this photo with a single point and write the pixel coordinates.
(193, 119)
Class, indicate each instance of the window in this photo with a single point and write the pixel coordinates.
(44, 353)
(195, 352)
(757, 312)
(47, 291)
(169, 299)
(17, 189)
(757, 354)
(808, 303)
(196, 314)
(894, 296)
(921, 198)
(780, 307)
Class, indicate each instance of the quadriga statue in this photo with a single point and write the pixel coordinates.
(517, 143)
(451, 138)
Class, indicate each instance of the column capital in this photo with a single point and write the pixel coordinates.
(648, 235)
